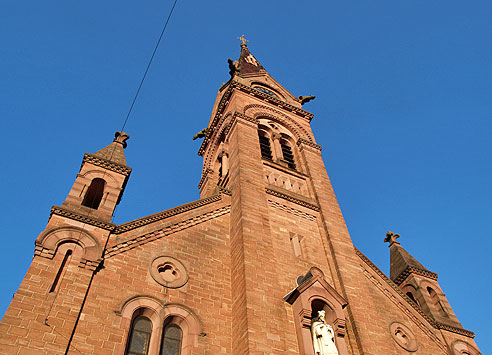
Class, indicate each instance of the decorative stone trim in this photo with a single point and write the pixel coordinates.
(90, 264)
(176, 227)
(403, 336)
(291, 210)
(262, 111)
(165, 214)
(234, 121)
(64, 212)
(204, 177)
(302, 141)
(292, 199)
(225, 191)
(282, 104)
(47, 244)
(225, 100)
(459, 347)
(460, 331)
(107, 164)
(168, 272)
(413, 270)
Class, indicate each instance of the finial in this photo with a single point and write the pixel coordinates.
(391, 238)
(121, 137)
(243, 40)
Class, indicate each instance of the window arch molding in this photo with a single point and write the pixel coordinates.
(48, 244)
(160, 314)
(261, 111)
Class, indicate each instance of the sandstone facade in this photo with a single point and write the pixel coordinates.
(243, 270)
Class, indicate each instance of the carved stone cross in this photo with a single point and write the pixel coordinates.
(391, 238)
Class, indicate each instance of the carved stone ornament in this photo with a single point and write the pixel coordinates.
(168, 272)
(403, 336)
(461, 348)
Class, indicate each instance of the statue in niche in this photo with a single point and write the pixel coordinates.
(323, 336)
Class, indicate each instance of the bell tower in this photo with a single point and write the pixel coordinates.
(67, 255)
(259, 146)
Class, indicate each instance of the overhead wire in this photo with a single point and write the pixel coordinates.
(148, 65)
(70, 345)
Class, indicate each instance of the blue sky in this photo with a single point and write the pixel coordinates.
(403, 112)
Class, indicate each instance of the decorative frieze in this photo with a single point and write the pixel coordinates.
(173, 228)
(60, 211)
(106, 164)
(292, 199)
(165, 214)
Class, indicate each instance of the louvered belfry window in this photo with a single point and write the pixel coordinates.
(139, 337)
(266, 150)
(287, 153)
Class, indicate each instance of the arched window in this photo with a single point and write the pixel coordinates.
(412, 297)
(94, 194)
(266, 150)
(435, 301)
(287, 154)
(139, 339)
(172, 336)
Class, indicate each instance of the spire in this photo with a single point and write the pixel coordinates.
(247, 63)
(114, 152)
(402, 263)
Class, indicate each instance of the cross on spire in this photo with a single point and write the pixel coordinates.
(391, 238)
(243, 40)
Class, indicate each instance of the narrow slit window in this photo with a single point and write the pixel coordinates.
(94, 194)
(139, 339)
(60, 271)
(171, 340)
(287, 154)
(266, 150)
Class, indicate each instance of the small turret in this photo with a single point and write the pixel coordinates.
(101, 181)
(418, 283)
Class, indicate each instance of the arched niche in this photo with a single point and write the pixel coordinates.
(311, 295)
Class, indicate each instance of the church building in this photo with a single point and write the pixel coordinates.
(262, 263)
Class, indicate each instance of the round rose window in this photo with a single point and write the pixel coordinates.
(168, 272)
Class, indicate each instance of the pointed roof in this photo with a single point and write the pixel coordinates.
(247, 63)
(114, 152)
(402, 263)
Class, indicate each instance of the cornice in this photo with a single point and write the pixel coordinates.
(460, 331)
(267, 98)
(107, 164)
(279, 103)
(309, 144)
(64, 212)
(170, 229)
(204, 177)
(165, 214)
(413, 270)
(292, 199)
